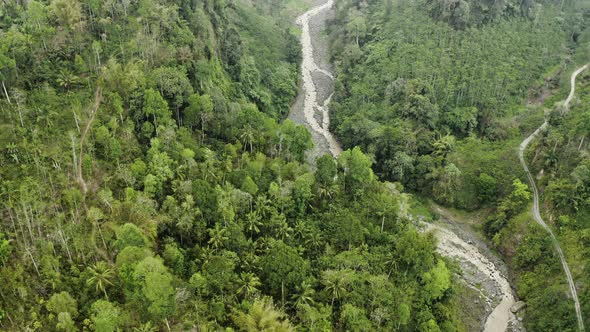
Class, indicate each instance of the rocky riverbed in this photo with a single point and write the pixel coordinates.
(311, 106)
(482, 271)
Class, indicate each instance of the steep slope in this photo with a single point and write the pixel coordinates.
(147, 183)
(536, 210)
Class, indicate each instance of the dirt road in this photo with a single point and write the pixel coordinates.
(536, 210)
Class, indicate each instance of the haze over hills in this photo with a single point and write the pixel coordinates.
(294, 165)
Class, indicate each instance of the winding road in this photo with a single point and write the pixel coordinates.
(315, 110)
(536, 210)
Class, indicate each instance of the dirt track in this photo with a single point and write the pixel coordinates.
(536, 210)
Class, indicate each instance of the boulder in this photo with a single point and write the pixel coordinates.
(518, 306)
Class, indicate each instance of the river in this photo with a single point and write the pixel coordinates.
(317, 87)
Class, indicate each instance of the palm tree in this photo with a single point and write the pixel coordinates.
(250, 259)
(252, 222)
(147, 327)
(304, 294)
(218, 237)
(313, 239)
(262, 244)
(209, 166)
(263, 316)
(263, 205)
(249, 284)
(391, 262)
(101, 273)
(185, 225)
(248, 137)
(444, 145)
(301, 229)
(282, 229)
(66, 79)
(325, 191)
(206, 254)
(335, 283)
(46, 118)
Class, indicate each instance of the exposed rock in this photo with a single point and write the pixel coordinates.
(482, 271)
(518, 306)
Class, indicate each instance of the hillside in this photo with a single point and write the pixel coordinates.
(149, 183)
(441, 94)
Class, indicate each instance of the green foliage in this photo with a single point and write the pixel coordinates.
(173, 84)
(148, 182)
(63, 302)
(155, 286)
(464, 13)
(283, 268)
(65, 322)
(155, 108)
(508, 207)
(354, 319)
(106, 316)
(407, 84)
(101, 276)
(486, 188)
(326, 170)
(562, 169)
(5, 249)
(302, 193)
(295, 140)
(130, 235)
(249, 186)
(437, 280)
(199, 111)
(357, 171)
(262, 316)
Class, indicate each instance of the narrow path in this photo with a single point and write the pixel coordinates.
(536, 210)
(313, 107)
(93, 111)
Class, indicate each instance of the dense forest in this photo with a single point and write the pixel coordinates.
(149, 179)
(148, 183)
(409, 87)
(440, 94)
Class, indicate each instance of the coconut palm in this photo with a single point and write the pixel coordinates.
(253, 222)
(301, 229)
(313, 239)
(248, 137)
(304, 294)
(249, 284)
(282, 229)
(263, 205)
(218, 236)
(147, 327)
(263, 316)
(67, 79)
(101, 275)
(335, 283)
